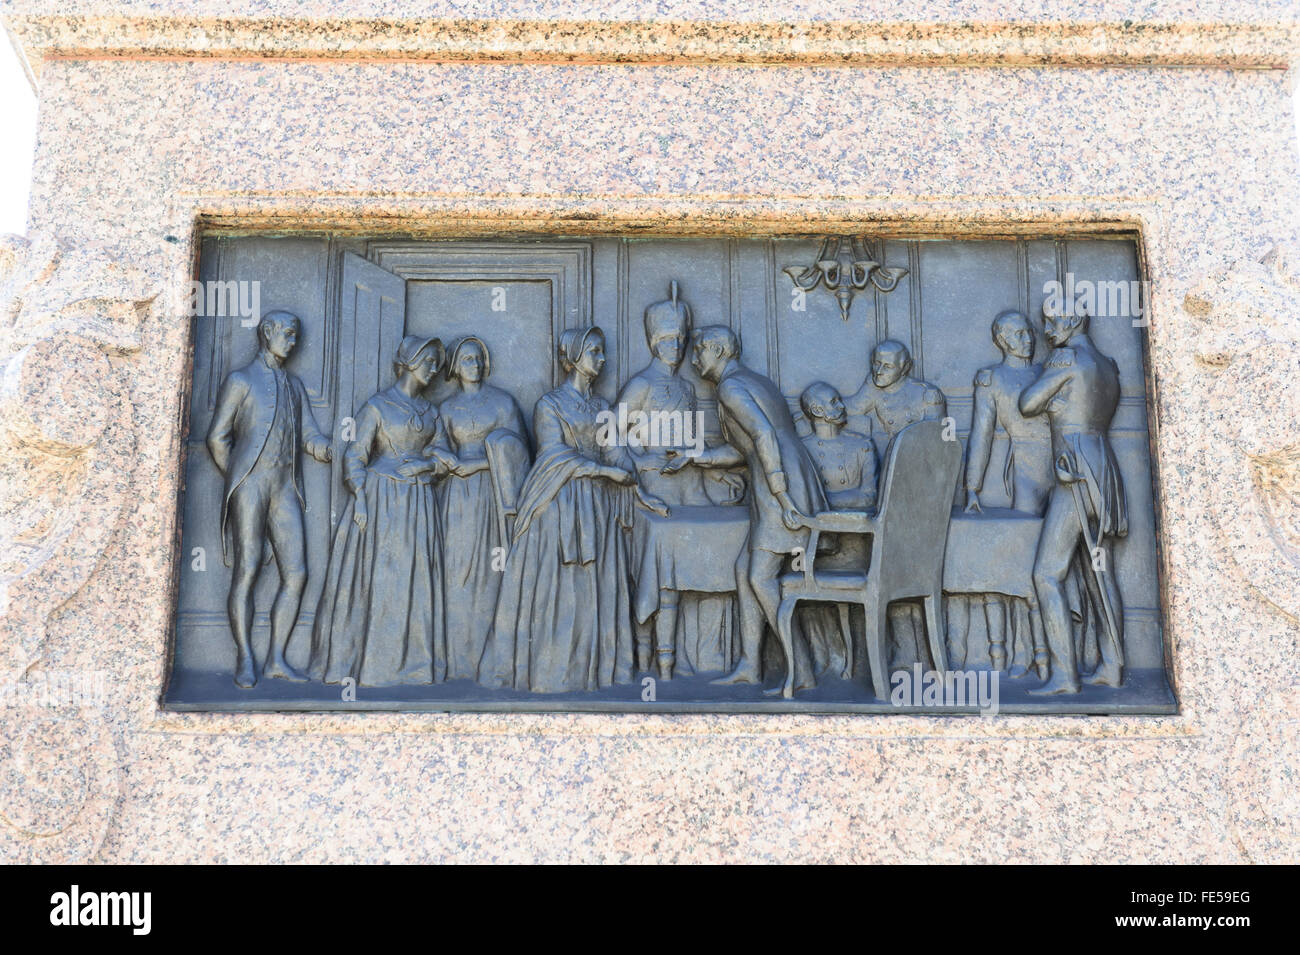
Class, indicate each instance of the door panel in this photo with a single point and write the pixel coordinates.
(372, 318)
(518, 331)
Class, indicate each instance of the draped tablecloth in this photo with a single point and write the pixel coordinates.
(991, 553)
(693, 549)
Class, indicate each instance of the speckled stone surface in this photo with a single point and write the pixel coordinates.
(949, 118)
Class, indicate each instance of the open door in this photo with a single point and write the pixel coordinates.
(372, 321)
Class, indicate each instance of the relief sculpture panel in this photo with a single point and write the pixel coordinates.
(785, 473)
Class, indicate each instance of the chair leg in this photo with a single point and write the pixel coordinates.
(935, 630)
(847, 634)
(877, 614)
(785, 633)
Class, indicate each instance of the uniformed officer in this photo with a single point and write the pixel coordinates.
(1027, 475)
(1078, 392)
(888, 401)
(661, 389)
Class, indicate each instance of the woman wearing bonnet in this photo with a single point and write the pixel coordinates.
(381, 618)
(486, 446)
(564, 617)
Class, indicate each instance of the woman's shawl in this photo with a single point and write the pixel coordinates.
(556, 477)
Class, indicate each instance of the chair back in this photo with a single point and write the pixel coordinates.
(916, 497)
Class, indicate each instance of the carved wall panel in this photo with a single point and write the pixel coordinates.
(786, 472)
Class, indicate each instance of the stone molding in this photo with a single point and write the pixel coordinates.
(1232, 34)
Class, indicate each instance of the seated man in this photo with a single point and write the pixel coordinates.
(846, 459)
(847, 463)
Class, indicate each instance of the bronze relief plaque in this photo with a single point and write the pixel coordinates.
(788, 473)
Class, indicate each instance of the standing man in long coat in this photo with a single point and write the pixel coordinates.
(784, 487)
(262, 420)
(1078, 391)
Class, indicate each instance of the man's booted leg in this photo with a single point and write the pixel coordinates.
(1110, 669)
(764, 573)
(666, 633)
(748, 667)
(995, 618)
(1056, 546)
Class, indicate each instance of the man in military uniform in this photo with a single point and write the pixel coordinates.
(846, 459)
(888, 401)
(784, 489)
(1027, 476)
(705, 620)
(847, 463)
(1078, 392)
(262, 419)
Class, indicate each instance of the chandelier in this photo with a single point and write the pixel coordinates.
(848, 268)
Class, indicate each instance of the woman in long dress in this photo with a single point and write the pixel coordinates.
(472, 498)
(381, 614)
(564, 618)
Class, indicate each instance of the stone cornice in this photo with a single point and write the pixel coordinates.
(1229, 34)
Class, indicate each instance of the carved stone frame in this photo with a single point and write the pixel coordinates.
(425, 219)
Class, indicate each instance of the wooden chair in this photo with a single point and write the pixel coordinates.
(908, 535)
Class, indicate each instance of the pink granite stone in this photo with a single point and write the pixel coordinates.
(158, 119)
